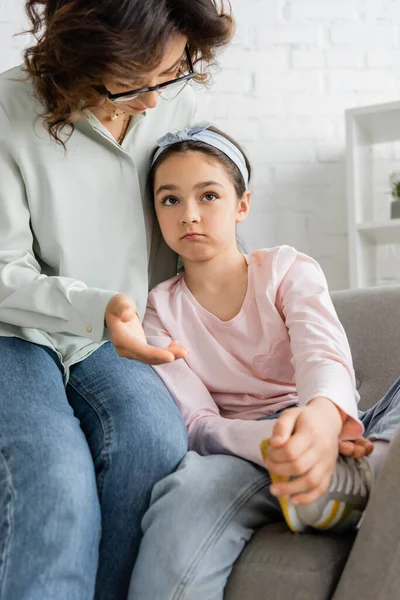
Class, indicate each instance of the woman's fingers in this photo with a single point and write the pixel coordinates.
(178, 350)
(150, 355)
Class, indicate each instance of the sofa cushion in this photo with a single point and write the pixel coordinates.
(280, 565)
(371, 318)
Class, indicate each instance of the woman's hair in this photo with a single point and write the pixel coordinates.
(81, 43)
(195, 146)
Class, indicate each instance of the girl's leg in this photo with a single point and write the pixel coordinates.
(137, 437)
(381, 423)
(198, 523)
(49, 509)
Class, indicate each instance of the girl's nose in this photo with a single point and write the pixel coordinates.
(190, 216)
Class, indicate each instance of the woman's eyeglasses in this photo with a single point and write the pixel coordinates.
(167, 90)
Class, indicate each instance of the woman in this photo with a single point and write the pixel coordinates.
(85, 433)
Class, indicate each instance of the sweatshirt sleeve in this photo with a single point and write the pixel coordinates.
(27, 297)
(321, 353)
(208, 432)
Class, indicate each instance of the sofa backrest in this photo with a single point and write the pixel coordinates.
(371, 318)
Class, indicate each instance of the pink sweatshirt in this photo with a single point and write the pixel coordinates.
(286, 346)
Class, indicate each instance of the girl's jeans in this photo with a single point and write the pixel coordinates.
(77, 467)
(201, 517)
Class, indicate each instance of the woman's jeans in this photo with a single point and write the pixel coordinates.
(201, 517)
(77, 467)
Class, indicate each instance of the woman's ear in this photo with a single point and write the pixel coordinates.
(243, 207)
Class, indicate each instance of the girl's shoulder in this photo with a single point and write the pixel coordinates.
(165, 288)
(270, 266)
(272, 258)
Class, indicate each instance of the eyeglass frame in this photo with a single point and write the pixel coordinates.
(160, 86)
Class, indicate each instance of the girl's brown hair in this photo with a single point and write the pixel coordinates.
(195, 146)
(81, 43)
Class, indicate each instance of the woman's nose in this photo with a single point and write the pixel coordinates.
(150, 99)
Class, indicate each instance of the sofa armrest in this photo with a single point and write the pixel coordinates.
(372, 570)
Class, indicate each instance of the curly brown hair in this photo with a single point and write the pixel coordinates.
(81, 43)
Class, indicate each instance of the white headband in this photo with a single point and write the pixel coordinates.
(201, 133)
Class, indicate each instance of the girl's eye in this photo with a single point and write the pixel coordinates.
(169, 201)
(210, 197)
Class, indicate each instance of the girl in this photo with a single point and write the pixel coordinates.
(85, 434)
(267, 358)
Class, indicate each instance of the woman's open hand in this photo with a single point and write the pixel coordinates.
(128, 337)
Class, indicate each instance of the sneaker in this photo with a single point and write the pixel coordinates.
(341, 507)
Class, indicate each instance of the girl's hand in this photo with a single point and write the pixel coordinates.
(356, 448)
(128, 337)
(305, 445)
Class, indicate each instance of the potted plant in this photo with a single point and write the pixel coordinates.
(395, 204)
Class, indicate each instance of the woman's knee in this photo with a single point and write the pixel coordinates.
(147, 425)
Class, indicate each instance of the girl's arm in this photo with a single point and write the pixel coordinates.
(321, 352)
(305, 440)
(209, 433)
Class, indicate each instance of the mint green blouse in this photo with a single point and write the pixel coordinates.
(76, 226)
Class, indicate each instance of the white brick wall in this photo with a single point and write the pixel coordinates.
(326, 55)
(293, 68)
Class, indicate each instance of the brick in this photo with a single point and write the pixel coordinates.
(252, 60)
(307, 103)
(343, 58)
(236, 105)
(294, 129)
(382, 10)
(327, 10)
(307, 59)
(324, 174)
(287, 34)
(244, 36)
(265, 12)
(240, 129)
(364, 35)
(261, 175)
(281, 152)
(288, 81)
(230, 80)
(377, 80)
(381, 57)
(330, 152)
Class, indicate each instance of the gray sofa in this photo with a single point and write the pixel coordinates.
(280, 565)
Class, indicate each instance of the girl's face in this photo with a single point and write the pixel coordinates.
(197, 206)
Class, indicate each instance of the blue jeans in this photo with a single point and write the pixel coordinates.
(201, 517)
(77, 466)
